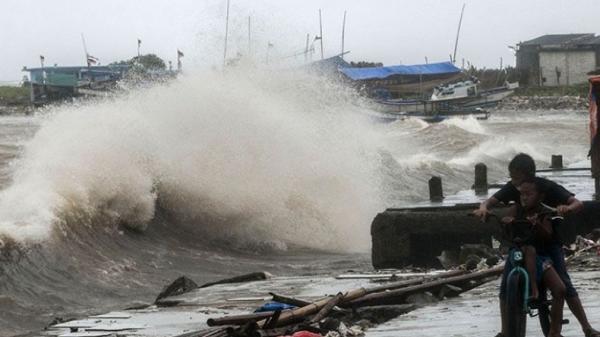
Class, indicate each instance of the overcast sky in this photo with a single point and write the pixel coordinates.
(389, 31)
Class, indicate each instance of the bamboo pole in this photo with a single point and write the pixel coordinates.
(239, 319)
(393, 295)
(406, 283)
(327, 308)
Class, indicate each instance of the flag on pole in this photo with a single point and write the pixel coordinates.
(179, 53)
(317, 38)
(42, 58)
(139, 42)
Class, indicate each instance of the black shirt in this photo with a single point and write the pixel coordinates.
(554, 194)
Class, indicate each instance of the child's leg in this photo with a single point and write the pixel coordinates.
(553, 282)
(530, 255)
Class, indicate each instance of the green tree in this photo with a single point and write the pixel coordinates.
(144, 62)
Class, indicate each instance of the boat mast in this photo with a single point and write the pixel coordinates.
(306, 48)
(226, 33)
(85, 49)
(343, 34)
(321, 32)
(249, 38)
(458, 33)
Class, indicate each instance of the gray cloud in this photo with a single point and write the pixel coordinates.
(378, 30)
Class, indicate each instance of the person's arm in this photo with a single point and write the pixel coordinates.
(505, 194)
(573, 205)
(484, 208)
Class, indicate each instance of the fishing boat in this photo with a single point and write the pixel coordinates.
(387, 117)
(460, 96)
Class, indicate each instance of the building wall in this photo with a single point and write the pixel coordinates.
(565, 67)
(528, 65)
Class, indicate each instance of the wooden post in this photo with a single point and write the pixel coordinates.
(481, 184)
(556, 161)
(436, 193)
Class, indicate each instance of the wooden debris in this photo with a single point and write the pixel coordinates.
(327, 308)
(317, 314)
(180, 286)
(393, 296)
(289, 300)
(258, 276)
(239, 319)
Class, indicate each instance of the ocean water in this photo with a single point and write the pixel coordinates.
(104, 202)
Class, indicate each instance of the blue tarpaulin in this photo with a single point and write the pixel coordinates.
(383, 72)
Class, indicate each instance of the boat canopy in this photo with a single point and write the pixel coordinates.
(372, 73)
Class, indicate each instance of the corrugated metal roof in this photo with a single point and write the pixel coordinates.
(560, 39)
(383, 72)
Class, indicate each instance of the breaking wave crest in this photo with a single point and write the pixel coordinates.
(256, 155)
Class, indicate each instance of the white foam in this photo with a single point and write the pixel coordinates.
(276, 155)
(468, 123)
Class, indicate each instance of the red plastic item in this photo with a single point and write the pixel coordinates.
(304, 333)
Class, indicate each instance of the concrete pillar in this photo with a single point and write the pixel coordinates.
(436, 193)
(481, 184)
(556, 161)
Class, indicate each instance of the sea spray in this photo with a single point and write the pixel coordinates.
(283, 156)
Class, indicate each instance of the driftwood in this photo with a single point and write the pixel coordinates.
(327, 308)
(239, 319)
(395, 296)
(286, 316)
(289, 300)
(180, 286)
(407, 283)
(309, 308)
(258, 276)
(289, 316)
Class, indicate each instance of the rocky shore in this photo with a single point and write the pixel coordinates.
(544, 103)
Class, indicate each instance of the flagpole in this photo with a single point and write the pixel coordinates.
(343, 33)
(226, 33)
(43, 75)
(85, 50)
(306, 48)
(249, 37)
(321, 32)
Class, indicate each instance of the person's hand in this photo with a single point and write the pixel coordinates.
(562, 210)
(533, 219)
(482, 213)
(507, 220)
